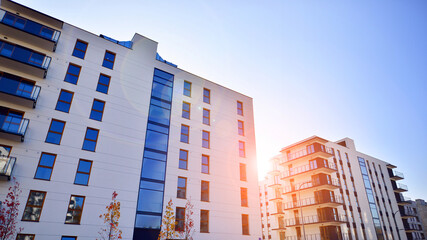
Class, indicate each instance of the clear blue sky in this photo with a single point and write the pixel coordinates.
(334, 69)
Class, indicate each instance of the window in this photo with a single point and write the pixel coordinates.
(83, 172)
(68, 238)
(45, 167)
(243, 172)
(204, 221)
(245, 224)
(187, 89)
(55, 132)
(206, 116)
(109, 59)
(240, 127)
(73, 73)
(179, 219)
(90, 140)
(103, 83)
(205, 139)
(244, 197)
(186, 110)
(185, 133)
(75, 209)
(182, 188)
(64, 101)
(205, 164)
(34, 206)
(80, 49)
(25, 236)
(240, 108)
(205, 191)
(242, 152)
(206, 95)
(183, 159)
(97, 110)
(5, 150)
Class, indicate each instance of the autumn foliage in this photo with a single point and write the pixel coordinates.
(111, 218)
(9, 213)
(189, 222)
(168, 223)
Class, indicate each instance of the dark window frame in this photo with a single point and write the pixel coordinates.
(96, 110)
(204, 221)
(78, 75)
(80, 50)
(207, 98)
(96, 141)
(178, 220)
(204, 192)
(24, 235)
(59, 100)
(41, 166)
(61, 133)
(184, 160)
(241, 128)
(34, 206)
(70, 210)
(108, 60)
(85, 173)
(181, 188)
(240, 108)
(244, 197)
(204, 164)
(245, 226)
(103, 84)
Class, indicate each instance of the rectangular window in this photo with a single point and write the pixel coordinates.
(205, 139)
(204, 221)
(55, 132)
(206, 116)
(205, 191)
(75, 209)
(34, 206)
(182, 188)
(242, 172)
(25, 236)
(179, 219)
(186, 110)
(346, 157)
(240, 108)
(244, 196)
(103, 83)
(206, 95)
(245, 224)
(91, 137)
(97, 110)
(241, 127)
(187, 89)
(185, 133)
(83, 172)
(64, 101)
(45, 167)
(183, 159)
(242, 151)
(73, 73)
(80, 49)
(109, 58)
(68, 238)
(205, 164)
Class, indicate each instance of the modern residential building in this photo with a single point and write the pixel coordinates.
(265, 209)
(412, 221)
(82, 116)
(318, 189)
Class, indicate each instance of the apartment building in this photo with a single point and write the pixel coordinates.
(82, 116)
(318, 189)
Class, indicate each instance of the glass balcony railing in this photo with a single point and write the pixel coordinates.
(397, 174)
(313, 201)
(14, 125)
(315, 219)
(6, 166)
(17, 86)
(310, 184)
(307, 168)
(307, 151)
(24, 55)
(344, 236)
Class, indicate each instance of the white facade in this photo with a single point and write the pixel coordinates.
(117, 159)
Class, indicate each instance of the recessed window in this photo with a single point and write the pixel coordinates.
(183, 159)
(68, 238)
(64, 101)
(109, 59)
(56, 129)
(205, 164)
(103, 83)
(205, 191)
(185, 133)
(206, 116)
(245, 224)
(34, 206)
(179, 219)
(90, 140)
(206, 95)
(45, 167)
(240, 108)
(97, 110)
(204, 221)
(182, 188)
(186, 110)
(80, 49)
(25, 236)
(75, 209)
(187, 89)
(242, 151)
(73, 73)
(83, 172)
(242, 172)
(244, 197)
(241, 127)
(205, 139)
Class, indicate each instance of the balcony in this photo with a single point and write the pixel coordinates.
(314, 219)
(13, 126)
(310, 152)
(329, 185)
(334, 201)
(6, 167)
(408, 213)
(395, 175)
(400, 188)
(402, 200)
(28, 31)
(274, 172)
(344, 236)
(18, 90)
(23, 59)
(410, 227)
(313, 169)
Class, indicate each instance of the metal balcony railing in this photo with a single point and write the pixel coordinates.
(310, 184)
(315, 219)
(307, 168)
(304, 152)
(313, 201)
(6, 166)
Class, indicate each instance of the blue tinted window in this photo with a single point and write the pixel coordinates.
(103, 83)
(80, 49)
(109, 60)
(206, 116)
(83, 172)
(187, 89)
(64, 101)
(158, 102)
(69, 238)
(158, 128)
(161, 91)
(206, 95)
(157, 141)
(91, 137)
(150, 201)
(153, 169)
(205, 139)
(185, 110)
(183, 159)
(45, 167)
(56, 129)
(152, 185)
(73, 73)
(185, 133)
(159, 115)
(154, 155)
(163, 81)
(163, 74)
(97, 110)
(148, 221)
(182, 188)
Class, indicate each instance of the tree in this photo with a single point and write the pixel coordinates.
(9, 212)
(167, 229)
(111, 220)
(189, 222)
